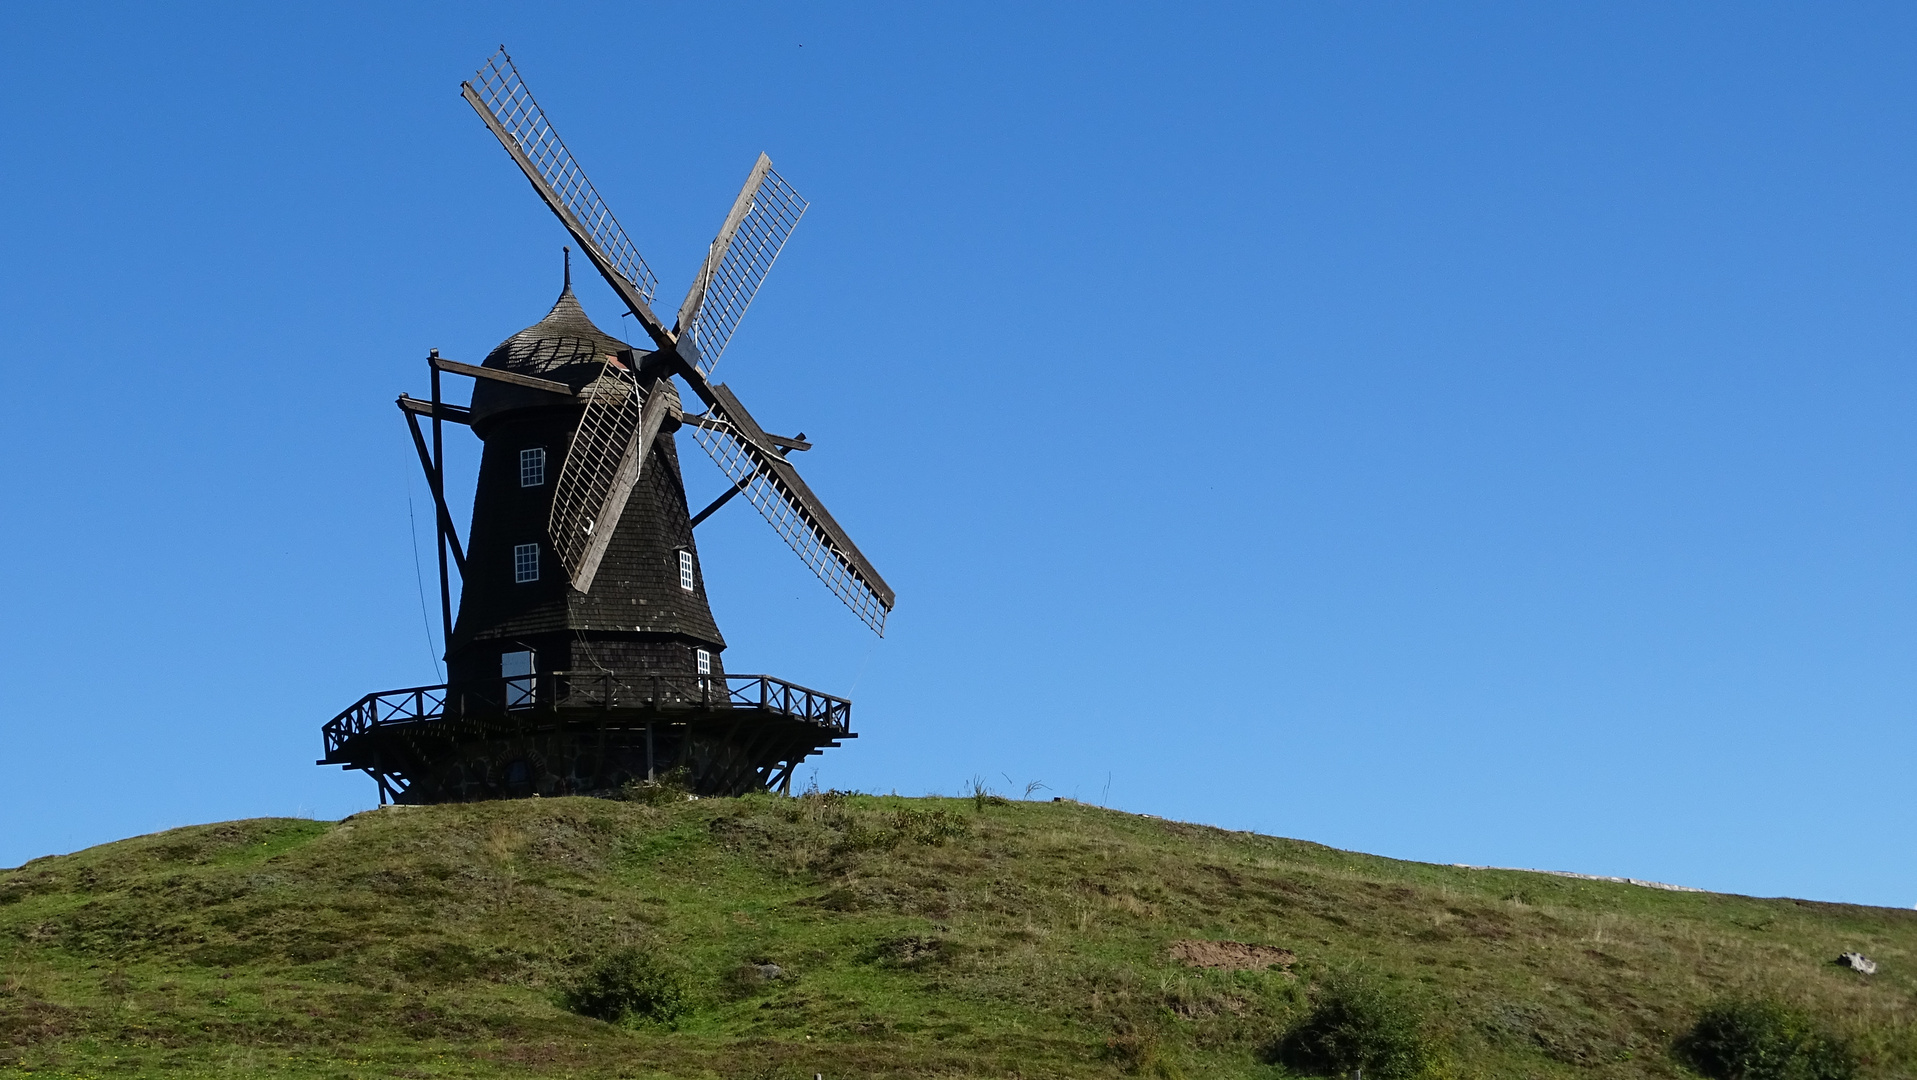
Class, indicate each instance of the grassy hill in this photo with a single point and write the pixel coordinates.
(916, 937)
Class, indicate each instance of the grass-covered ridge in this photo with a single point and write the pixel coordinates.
(917, 937)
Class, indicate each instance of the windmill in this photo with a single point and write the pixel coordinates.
(583, 655)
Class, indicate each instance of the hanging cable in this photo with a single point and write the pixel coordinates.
(591, 657)
(863, 664)
(419, 579)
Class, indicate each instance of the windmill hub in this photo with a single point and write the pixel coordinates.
(584, 655)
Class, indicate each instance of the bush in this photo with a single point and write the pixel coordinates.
(628, 983)
(1356, 1025)
(1763, 1040)
(1140, 1051)
(672, 786)
(876, 832)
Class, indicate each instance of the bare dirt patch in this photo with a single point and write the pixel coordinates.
(1231, 955)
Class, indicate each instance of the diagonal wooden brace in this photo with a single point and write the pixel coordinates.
(433, 482)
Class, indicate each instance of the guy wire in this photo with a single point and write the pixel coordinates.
(419, 579)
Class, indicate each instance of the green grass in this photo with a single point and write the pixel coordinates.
(921, 938)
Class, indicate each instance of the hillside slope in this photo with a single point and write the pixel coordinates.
(917, 937)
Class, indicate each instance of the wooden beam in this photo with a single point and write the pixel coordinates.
(456, 414)
(456, 368)
(432, 482)
(713, 508)
(443, 521)
(795, 442)
(783, 445)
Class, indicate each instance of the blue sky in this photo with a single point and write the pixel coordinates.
(1469, 433)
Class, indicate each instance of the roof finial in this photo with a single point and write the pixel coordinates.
(567, 248)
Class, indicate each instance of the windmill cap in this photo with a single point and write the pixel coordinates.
(564, 346)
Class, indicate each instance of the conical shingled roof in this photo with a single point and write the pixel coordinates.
(564, 346)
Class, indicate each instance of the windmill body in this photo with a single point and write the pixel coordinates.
(585, 656)
(637, 620)
(640, 612)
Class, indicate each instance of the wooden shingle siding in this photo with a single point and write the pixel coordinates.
(636, 619)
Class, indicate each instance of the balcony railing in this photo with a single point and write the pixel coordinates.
(550, 691)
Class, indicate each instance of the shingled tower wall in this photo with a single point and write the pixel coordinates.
(636, 621)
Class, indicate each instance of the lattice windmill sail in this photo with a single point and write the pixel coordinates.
(773, 487)
(749, 242)
(502, 100)
(612, 443)
(607, 454)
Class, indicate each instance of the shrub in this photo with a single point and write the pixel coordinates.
(877, 831)
(1141, 1052)
(1356, 1025)
(932, 827)
(629, 983)
(1763, 1040)
(672, 786)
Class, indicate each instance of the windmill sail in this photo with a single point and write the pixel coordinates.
(744, 453)
(749, 242)
(615, 434)
(609, 450)
(502, 100)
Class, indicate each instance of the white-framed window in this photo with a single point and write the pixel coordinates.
(685, 570)
(525, 563)
(705, 662)
(532, 467)
(517, 668)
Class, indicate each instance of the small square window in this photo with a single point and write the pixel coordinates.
(685, 570)
(525, 563)
(532, 467)
(705, 662)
